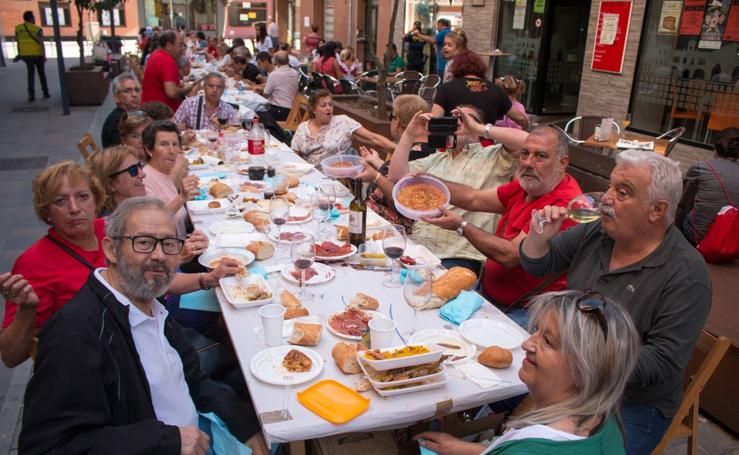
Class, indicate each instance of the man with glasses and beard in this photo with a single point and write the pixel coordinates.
(542, 181)
(635, 255)
(115, 374)
(469, 165)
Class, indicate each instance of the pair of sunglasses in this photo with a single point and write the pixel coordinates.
(133, 170)
(594, 303)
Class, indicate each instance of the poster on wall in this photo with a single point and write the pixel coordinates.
(614, 18)
(714, 23)
(670, 17)
(732, 24)
(519, 15)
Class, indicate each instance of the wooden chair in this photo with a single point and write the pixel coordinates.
(690, 111)
(685, 422)
(298, 114)
(87, 146)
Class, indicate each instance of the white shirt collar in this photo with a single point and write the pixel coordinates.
(135, 316)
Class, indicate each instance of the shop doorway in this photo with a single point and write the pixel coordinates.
(546, 46)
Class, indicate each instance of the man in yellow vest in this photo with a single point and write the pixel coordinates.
(29, 37)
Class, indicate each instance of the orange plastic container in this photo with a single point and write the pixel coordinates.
(333, 401)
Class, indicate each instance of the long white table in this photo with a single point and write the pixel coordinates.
(457, 394)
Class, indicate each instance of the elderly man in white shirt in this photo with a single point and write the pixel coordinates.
(114, 373)
(281, 87)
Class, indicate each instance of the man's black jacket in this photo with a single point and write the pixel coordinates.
(89, 392)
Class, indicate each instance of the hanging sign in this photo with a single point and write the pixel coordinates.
(614, 18)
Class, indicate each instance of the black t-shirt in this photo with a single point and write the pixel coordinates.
(415, 48)
(110, 135)
(481, 93)
(250, 73)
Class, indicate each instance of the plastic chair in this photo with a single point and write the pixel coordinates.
(87, 146)
(685, 422)
(586, 127)
(673, 136)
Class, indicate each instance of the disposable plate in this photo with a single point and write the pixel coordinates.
(401, 362)
(370, 372)
(374, 314)
(489, 332)
(454, 346)
(325, 273)
(231, 227)
(267, 366)
(230, 284)
(244, 256)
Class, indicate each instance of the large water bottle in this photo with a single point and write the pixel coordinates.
(256, 138)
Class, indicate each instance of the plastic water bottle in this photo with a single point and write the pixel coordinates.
(256, 137)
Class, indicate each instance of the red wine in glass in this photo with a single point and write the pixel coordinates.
(303, 264)
(279, 221)
(393, 252)
(222, 120)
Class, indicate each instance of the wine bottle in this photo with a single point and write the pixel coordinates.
(357, 216)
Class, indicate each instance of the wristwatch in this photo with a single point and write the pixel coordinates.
(460, 228)
(486, 131)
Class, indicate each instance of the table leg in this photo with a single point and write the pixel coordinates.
(297, 448)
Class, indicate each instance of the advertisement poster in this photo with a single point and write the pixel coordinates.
(714, 23)
(692, 17)
(614, 18)
(539, 6)
(519, 15)
(731, 33)
(670, 17)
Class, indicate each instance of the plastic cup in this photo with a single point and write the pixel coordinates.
(272, 316)
(382, 333)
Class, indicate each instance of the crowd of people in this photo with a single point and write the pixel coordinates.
(614, 306)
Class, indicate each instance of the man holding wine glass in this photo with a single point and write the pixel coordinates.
(635, 255)
(201, 111)
(542, 181)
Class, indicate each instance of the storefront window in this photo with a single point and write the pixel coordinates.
(688, 69)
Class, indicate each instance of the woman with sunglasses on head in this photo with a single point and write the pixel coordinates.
(576, 365)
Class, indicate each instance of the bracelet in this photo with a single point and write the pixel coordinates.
(486, 131)
(201, 282)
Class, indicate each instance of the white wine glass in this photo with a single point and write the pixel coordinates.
(417, 291)
(583, 208)
(320, 209)
(303, 255)
(327, 194)
(393, 245)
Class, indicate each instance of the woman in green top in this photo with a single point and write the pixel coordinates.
(396, 61)
(576, 366)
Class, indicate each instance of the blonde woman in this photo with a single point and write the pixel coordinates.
(120, 172)
(514, 88)
(576, 365)
(131, 126)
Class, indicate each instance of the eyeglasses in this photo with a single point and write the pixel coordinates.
(133, 170)
(147, 244)
(136, 114)
(593, 303)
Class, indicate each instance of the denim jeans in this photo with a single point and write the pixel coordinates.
(644, 426)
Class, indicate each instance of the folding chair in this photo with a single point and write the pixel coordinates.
(685, 422)
(87, 142)
(298, 114)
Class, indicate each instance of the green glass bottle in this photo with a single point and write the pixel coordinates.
(357, 216)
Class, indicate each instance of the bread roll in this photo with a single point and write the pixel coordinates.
(214, 205)
(293, 181)
(342, 232)
(281, 188)
(262, 250)
(449, 285)
(364, 302)
(288, 300)
(292, 313)
(345, 356)
(291, 197)
(305, 334)
(495, 357)
(220, 189)
(259, 219)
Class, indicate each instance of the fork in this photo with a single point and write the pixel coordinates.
(284, 413)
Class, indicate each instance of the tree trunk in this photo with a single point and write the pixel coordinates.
(112, 20)
(80, 34)
(382, 67)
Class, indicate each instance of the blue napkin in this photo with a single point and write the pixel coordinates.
(426, 451)
(333, 214)
(461, 308)
(203, 195)
(259, 270)
(222, 442)
(200, 301)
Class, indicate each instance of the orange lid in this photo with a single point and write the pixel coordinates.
(333, 401)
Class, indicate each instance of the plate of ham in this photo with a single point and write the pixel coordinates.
(316, 274)
(351, 323)
(330, 251)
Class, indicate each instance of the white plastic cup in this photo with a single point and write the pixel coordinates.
(272, 316)
(382, 333)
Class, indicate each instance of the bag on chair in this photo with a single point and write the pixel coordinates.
(721, 243)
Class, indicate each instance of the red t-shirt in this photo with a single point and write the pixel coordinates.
(160, 68)
(213, 51)
(54, 274)
(504, 285)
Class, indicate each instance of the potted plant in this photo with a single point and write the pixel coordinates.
(87, 84)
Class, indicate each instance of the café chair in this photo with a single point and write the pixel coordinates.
(298, 114)
(428, 89)
(87, 146)
(364, 84)
(408, 75)
(685, 422)
(586, 127)
(305, 78)
(408, 86)
(672, 136)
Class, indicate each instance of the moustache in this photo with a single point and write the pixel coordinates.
(529, 173)
(607, 210)
(156, 267)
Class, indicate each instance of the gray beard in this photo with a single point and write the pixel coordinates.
(134, 282)
(541, 187)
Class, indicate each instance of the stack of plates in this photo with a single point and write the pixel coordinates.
(437, 377)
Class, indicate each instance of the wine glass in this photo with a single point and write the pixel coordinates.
(212, 136)
(222, 121)
(327, 194)
(417, 291)
(393, 245)
(320, 207)
(279, 210)
(583, 208)
(303, 254)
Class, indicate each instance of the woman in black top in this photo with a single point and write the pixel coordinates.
(469, 86)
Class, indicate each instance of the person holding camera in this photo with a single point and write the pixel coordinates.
(468, 163)
(30, 39)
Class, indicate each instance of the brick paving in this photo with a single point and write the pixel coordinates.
(33, 135)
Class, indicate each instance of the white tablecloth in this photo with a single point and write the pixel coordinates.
(391, 412)
(248, 101)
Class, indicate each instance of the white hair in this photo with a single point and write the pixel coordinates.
(121, 78)
(666, 179)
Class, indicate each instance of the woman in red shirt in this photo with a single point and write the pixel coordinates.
(327, 64)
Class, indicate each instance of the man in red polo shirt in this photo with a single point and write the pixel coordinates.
(162, 75)
(542, 181)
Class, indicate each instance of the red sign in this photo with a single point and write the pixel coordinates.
(610, 38)
(732, 25)
(692, 17)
